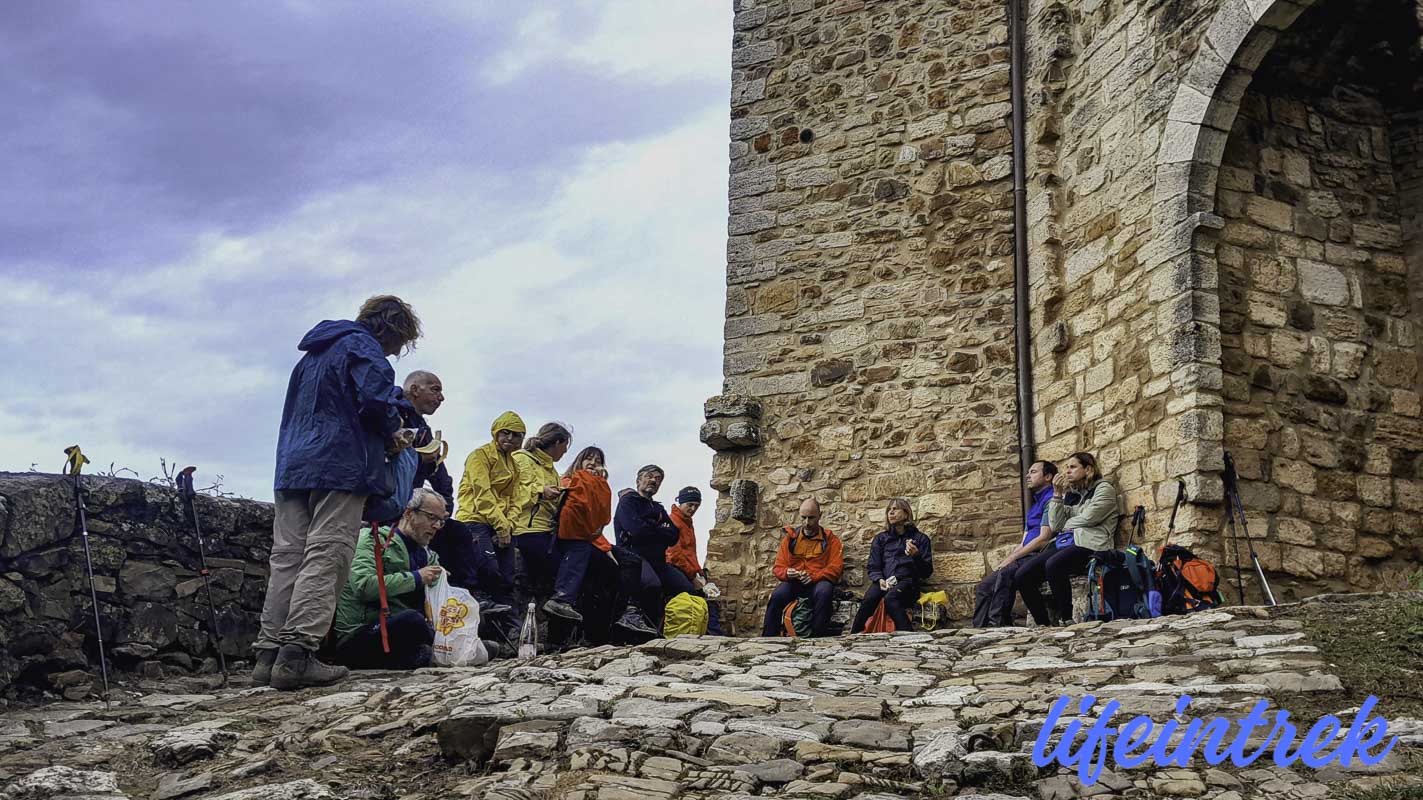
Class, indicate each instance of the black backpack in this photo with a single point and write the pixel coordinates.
(1120, 584)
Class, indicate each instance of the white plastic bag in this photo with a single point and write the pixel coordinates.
(455, 616)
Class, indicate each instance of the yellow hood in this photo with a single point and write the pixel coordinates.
(508, 421)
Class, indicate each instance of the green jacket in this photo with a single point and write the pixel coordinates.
(360, 598)
(1093, 523)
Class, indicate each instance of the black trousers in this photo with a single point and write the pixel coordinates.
(1057, 566)
(897, 602)
(819, 592)
(994, 597)
(408, 632)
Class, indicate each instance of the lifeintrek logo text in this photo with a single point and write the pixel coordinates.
(1140, 739)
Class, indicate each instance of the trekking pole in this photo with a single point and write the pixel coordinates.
(1138, 525)
(384, 615)
(73, 464)
(1233, 497)
(1171, 526)
(1228, 478)
(186, 491)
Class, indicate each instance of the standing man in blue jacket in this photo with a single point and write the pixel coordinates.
(340, 419)
(641, 524)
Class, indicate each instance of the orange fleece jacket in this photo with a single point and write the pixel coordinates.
(821, 556)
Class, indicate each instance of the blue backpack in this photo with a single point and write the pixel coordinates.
(401, 473)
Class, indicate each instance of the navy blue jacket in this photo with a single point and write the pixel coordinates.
(437, 475)
(642, 525)
(342, 408)
(887, 556)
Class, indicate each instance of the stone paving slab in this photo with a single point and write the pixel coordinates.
(942, 714)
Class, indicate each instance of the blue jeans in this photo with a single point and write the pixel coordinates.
(820, 593)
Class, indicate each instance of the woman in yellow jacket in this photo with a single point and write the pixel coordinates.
(534, 529)
(474, 547)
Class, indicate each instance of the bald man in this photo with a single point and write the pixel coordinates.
(426, 393)
(808, 565)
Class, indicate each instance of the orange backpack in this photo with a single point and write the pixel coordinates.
(1186, 583)
(587, 506)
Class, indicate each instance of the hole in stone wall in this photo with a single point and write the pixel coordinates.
(806, 135)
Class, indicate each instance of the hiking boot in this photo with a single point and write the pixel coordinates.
(492, 608)
(262, 673)
(297, 667)
(633, 620)
(558, 608)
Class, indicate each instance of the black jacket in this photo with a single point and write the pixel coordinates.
(887, 556)
(642, 525)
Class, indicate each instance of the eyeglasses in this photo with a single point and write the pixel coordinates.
(435, 519)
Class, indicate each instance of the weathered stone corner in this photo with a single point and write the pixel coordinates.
(733, 422)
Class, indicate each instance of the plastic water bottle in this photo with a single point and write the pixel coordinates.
(529, 636)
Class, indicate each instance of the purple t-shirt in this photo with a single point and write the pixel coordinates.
(1034, 524)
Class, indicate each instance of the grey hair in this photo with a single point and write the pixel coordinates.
(417, 498)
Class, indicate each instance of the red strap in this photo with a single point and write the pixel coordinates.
(380, 583)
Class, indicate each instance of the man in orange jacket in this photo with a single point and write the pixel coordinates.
(808, 565)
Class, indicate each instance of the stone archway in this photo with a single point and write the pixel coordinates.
(1252, 241)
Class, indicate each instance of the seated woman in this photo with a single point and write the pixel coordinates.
(900, 559)
(598, 584)
(539, 499)
(1083, 515)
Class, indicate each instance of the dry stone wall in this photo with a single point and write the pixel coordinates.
(869, 279)
(146, 574)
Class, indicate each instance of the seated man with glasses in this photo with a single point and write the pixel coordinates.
(408, 565)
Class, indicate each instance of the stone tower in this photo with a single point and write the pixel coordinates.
(1224, 251)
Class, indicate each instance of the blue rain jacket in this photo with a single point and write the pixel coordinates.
(342, 408)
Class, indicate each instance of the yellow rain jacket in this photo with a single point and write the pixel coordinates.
(489, 489)
(536, 470)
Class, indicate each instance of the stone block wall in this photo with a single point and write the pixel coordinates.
(1320, 302)
(871, 204)
(869, 303)
(146, 565)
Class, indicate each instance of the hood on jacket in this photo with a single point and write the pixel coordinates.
(327, 332)
(508, 421)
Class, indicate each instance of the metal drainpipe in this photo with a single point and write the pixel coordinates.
(1023, 341)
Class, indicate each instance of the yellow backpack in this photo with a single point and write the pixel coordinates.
(933, 610)
(686, 615)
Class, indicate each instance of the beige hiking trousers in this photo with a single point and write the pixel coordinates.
(313, 543)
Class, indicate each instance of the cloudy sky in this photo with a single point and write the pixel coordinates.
(189, 187)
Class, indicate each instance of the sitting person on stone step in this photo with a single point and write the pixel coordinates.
(598, 584)
(808, 565)
(994, 607)
(642, 525)
(683, 554)
(477, 545)
(901, 557)
(408, 566)
(1082, 515)
(534, 526)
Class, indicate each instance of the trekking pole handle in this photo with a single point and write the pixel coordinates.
(184, 480)
(1229, 476)
(1180, 498)
(75, 461)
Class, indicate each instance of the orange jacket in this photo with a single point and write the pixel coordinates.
(683, 554)
(821, 556)
(587, 509)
